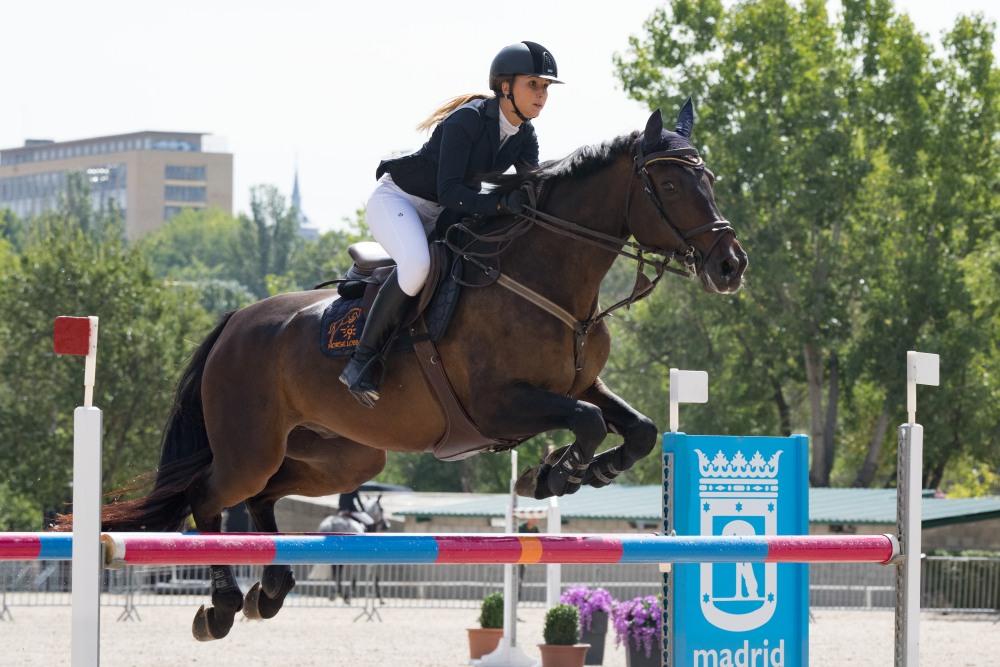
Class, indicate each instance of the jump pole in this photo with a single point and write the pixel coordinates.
(78, 336)
(457, 548)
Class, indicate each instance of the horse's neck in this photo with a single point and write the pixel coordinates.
(565, 269)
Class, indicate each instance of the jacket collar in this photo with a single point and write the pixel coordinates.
(491, 109)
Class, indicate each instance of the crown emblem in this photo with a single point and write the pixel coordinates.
(721, 468)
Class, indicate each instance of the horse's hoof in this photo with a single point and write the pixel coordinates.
(208, 625)
(251, 603)
(258, 605)
(533, 482)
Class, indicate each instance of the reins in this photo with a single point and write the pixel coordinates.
(501, 239)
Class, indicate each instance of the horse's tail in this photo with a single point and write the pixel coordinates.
(184, 459)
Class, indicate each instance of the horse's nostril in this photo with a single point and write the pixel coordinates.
(726, 267)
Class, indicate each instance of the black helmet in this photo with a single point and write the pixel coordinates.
(524, 58)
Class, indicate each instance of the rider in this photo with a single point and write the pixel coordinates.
(473, 135)
(350, 502)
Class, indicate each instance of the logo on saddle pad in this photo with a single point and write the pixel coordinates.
(345, 332)
(738, 497)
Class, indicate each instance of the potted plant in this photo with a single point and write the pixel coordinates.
(484, 639)
(594, 605)
(638, 624)
(562, 629)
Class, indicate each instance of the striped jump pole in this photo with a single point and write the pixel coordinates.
(36, 546)
(491, 548)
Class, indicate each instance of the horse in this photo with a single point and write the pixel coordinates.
(259, 413)
(372, 520)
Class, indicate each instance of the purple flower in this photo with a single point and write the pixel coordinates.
(587, 601)
(638, 622)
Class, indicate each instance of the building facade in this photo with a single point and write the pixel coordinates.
(149, 176)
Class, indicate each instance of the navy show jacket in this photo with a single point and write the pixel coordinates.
(462, 149)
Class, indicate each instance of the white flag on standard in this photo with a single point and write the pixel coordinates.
(686, 387)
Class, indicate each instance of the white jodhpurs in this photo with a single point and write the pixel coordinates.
(400, 223)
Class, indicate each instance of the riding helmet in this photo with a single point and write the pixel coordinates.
(528, 58)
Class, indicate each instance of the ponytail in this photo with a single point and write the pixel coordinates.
(442, 112)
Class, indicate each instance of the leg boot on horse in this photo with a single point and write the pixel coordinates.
(265, 597)
(361, 375)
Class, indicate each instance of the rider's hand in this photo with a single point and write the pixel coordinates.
(512, 202)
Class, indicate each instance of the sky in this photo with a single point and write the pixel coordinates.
(329, 87)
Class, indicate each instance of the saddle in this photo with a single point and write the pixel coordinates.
(424, 324)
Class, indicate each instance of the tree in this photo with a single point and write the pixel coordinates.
(193, 245)
(266, 241)
(147, 330)
(825, 134)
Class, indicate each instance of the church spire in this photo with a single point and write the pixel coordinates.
(305, 230)
(297, 198)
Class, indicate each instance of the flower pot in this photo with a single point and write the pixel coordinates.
(595, 637)
(483, 641)
(636, 657)
(558, 655)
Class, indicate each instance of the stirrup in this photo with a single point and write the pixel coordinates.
(363, 388)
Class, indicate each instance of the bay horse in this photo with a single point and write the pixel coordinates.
(259, 413)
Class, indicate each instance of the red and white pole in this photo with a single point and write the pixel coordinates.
(78, 336)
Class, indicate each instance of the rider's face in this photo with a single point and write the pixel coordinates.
(530, 94)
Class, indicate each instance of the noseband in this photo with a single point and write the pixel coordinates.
(691, 257)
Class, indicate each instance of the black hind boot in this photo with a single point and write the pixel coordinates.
(361, 373)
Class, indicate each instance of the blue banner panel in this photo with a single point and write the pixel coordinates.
(736, 614)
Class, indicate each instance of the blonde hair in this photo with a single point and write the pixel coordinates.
(442, 112)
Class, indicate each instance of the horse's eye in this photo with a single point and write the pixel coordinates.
(669, 187)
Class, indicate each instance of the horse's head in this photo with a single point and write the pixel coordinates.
(375, 510)
(674, 210)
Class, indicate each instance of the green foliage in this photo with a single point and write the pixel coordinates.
(266, 240)
(562, 625)
(859, 167)
(147, 330)
(18, 512)
(491, 611)
(194, 245)
(12, 229)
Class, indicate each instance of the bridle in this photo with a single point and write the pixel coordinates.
(689, 257)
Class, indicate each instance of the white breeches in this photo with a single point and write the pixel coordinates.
(400, 223)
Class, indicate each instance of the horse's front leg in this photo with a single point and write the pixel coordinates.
(638, 430)
(528, 409)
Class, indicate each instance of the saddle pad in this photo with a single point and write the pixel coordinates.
(341, 326)
(344, 320)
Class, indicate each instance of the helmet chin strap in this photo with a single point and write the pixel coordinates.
(510, 96)
(520, 115)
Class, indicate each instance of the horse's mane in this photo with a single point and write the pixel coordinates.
(581, 162)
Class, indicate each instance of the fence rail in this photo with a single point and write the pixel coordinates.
(949, 583)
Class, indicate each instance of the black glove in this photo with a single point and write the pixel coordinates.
(512, 202)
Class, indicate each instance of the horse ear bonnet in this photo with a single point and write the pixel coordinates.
(651, 137)
(685, 119)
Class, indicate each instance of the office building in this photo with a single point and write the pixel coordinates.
(151, 176)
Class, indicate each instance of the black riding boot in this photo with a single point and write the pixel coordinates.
(361, 373)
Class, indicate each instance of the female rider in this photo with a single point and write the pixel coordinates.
(473, 135)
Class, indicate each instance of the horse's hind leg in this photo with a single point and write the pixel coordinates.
(314, 466)
(215, 622)
(638, 431)
(236, 474)
(265, 598)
